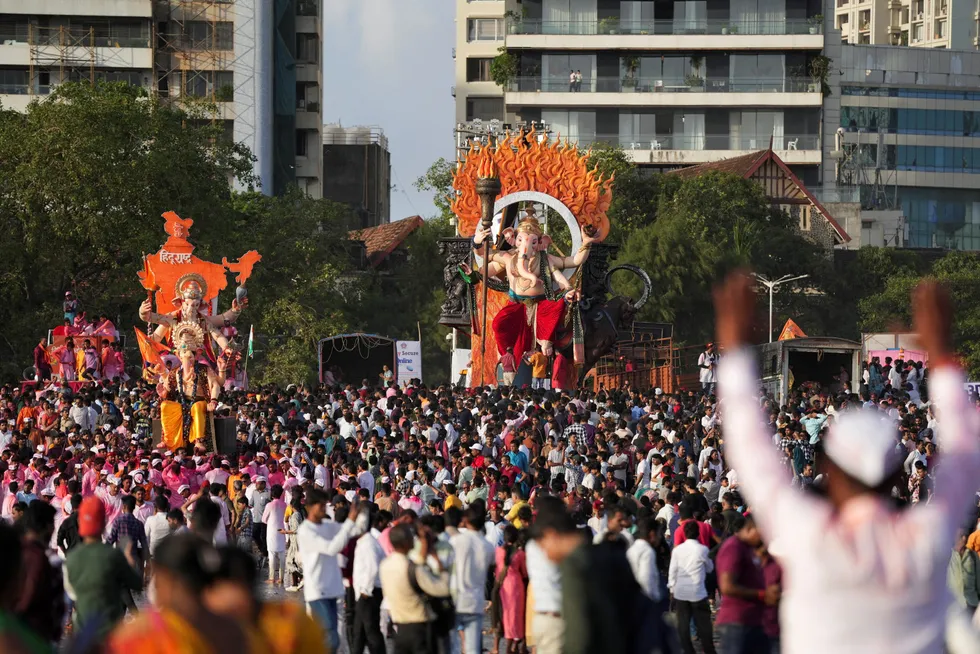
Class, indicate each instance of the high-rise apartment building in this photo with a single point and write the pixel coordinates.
(258, 61)
(673, 83)
(917, 23)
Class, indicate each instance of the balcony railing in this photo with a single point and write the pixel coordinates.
(725, 142)
(665, 26)
(664, 85)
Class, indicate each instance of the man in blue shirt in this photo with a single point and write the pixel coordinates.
(517, 458)
(813, 422)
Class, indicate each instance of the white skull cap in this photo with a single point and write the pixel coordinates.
(863, 444)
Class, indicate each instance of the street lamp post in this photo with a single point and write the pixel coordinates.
(771, 285)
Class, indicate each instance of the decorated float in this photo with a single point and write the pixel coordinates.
(506, 284)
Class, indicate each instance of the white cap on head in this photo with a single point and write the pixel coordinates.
(476, 447)
(862, 444)
(182, 488)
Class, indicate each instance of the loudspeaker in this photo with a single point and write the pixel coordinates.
(224, 434)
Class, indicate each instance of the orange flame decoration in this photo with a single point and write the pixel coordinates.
(556, 168)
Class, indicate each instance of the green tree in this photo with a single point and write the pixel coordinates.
(636, 193)
(305, 288)
(84, 177)
(705, 227)
(891, 308)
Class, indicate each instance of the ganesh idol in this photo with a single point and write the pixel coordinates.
(190, 295)
(539, 292)
(189, 391)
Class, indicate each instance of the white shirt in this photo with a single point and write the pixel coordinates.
(669, 516)
(643, 561)
(876, 572)
(472, 556)
(619, 459)
(689, 564)
(545, 577)
(707, 375)
(319, 545)
(643, 473)
(157, 528)
(367, 559)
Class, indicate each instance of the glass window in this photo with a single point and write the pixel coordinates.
(485, 29)
(485, 108)
(478, 69)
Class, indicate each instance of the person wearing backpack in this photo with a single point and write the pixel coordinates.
(409, 590)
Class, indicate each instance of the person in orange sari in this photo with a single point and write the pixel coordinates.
(284, 625)
(189, 392)
(184, 565)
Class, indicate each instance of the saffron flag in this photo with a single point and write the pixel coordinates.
(251, 340)
(150, 350)
(791, 330)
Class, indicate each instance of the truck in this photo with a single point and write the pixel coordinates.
(817, 359)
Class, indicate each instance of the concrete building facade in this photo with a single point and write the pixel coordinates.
(258, 61)
(673, 83)
(357, 172)
(916, 23)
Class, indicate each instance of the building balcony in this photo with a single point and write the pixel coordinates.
(139, 55)
(665, 35)
(616, 27)
(124, 9)
(670, 149)
(713, 91)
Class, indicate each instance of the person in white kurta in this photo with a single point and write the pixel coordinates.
(861, 575)
(274, 518)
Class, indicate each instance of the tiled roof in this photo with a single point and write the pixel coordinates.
(742, 166)
(746, 165)
(382, 240)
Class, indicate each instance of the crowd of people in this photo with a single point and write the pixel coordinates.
(518, 519)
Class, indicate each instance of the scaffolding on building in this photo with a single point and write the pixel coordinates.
(70, 51)
(862, 165)
(192, 46)
(198, 56)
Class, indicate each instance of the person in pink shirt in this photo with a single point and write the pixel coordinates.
(14, 473)
(279, 476)
(261, 469)
(7, 508)
(90, 479)
(111, 499)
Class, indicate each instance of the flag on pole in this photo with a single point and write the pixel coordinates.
(791, 330)
(251, 340)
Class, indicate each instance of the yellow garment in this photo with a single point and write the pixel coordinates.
(973, 542)
(165, 632)
(172, 423)
(289, 630)
(80, 363)
(529, 616)
(511, 516)
(539, 365)
(452, 500)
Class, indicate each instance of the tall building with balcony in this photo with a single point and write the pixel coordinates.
(906, 144)
(917, 23)
(257, 61)
(673, 83)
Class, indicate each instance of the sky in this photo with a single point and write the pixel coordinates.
(388, 63)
